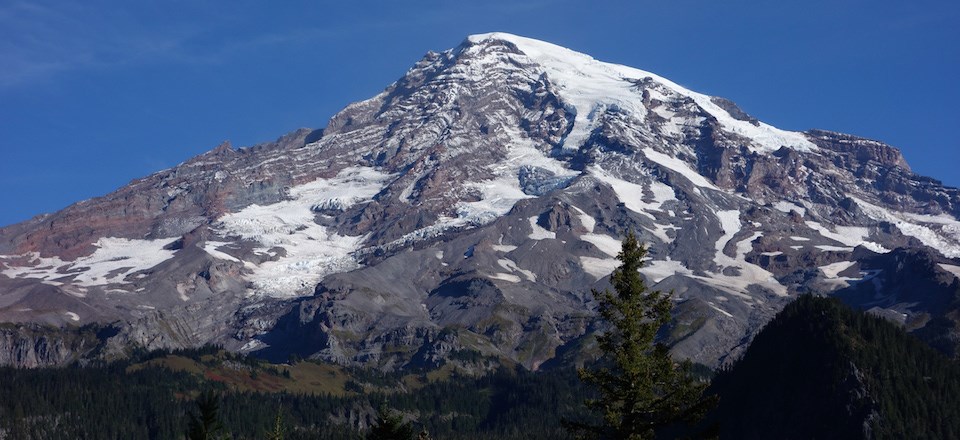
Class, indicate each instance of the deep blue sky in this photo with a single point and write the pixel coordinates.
(96, 93)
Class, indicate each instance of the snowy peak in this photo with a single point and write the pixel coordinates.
(487, 190)
(589, 86)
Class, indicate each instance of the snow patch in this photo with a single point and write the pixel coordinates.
(833, 270)
(658, 270)
(512, 266)
(955, 270)
(538, 232)
(607, 244)
(631, 195)
(829, 248)
(599, 267)
(940, 232)
(312, 251)
(506, 277)
(750, 274)
(587, 221)
(786, 207)
(497, 197)
(251, 345)
(680, 167)
(111, 262)
(717, 308)
(746, 245)
(211, 247)
(499, 194)
(851, 236)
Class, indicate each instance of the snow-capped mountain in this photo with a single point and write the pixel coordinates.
(472, 205)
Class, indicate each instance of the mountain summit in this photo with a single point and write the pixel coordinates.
(470, 207)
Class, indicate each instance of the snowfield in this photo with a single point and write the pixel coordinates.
(312, 251)
(111, 262)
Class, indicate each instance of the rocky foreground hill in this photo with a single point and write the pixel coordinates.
(471, 206)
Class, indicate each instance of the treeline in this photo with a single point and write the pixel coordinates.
(114, 401)
(818, 370)
(97, 402)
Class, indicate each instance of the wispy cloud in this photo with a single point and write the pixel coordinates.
(42, 39)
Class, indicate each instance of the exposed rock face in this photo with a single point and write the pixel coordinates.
(31, 346)
(471, 206)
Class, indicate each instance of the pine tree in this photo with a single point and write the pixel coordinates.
(207, 426)
(641, 388)
(390, 426)
(279, 428)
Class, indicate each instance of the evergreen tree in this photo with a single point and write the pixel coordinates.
(641, 388)
(207, 426)
(390, 426)
(279, 428)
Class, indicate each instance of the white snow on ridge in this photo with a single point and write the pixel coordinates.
(585, 84)
(504, 248)
(831, 273)
(955, 270)
(210, 247)
(350, 186)
(497, 198)
(828, 248)
(312, 251)
(599, 267)
(939, 232)
(115, 254)
(658, 270)
(833, 270)
(589, 85)
(506, 277)
(851, 236)
(680, 167)
(500, 194)
(717, 308)
(539, 233)
(631, 194)
(588, 222)
(749, 273)
(113, 260)
(730, 223)
(746, 245)
(786, 207)
(607, 244)
(512, 266)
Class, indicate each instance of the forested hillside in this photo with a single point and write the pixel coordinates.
(150, 398)
(821, 370)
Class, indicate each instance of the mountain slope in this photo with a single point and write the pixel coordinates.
(845, 375)
(472, 205)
